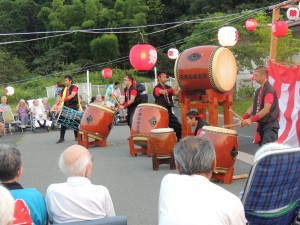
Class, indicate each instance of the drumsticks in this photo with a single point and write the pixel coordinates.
(115, 99)
(237, 115)
(230, 125)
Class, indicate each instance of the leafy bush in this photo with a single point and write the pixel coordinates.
(245, 92)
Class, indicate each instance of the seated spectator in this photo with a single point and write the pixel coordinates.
(77, 199)
(194, 119)
(22, 110)
(93, 99)
(82, 103)
(39, 114)
(7, 205)
(99, 100)
(46, 106)
(55, 110)
(1, 129)
(4, 106)
(190, 198)
(122, 112)
(10, 173)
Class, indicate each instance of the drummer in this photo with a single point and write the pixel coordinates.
(196, 119)
(163, 96)
(69, 98)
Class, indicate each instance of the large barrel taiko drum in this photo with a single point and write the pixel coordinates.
(97, 120)
(146, 118)
(225, 142)
(205, 67)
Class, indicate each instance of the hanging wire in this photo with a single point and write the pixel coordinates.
(125, 58)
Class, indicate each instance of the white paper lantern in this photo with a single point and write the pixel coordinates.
(173, 53)
(292, 13)
(9, 90)
(228, 36)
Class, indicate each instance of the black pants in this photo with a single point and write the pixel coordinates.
(63, 131)
(175, 124)
(130, 112)
(268, 135)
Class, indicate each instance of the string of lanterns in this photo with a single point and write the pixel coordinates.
(143, 56)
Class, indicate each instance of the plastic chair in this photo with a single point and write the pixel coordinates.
(115, 220)
(271, 194)
(9, 120)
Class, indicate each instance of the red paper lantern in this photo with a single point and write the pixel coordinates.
(143, 56)
(251, 24)
(280, 28)
(252, 77)
(107, 73)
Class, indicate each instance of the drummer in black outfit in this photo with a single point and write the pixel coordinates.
(163, 96)
(70, 99)
(196, 119)
(131, 97)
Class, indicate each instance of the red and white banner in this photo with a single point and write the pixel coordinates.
(286, 81)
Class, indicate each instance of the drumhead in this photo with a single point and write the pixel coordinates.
(161, 130)
(224, 69)
(151, 105)
(104, 108)
(212, 129)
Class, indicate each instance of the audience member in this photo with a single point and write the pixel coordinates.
(1, 129)
(7, 205)
(93, 99)
(4, 106)
(59, 87)
(82, 103)
(190, 198)
(77, 199)
(10, 173)
(46, 106)
(98, 100)
(113, 90)
(196, 119)
(22, 110)
(39, 114)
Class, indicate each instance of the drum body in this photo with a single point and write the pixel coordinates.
(225, 142)
(97, 120)
(162, 141)
(69, 118)
(205, 67)
(146, 118)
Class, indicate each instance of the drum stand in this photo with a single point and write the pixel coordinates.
(134, 151)
(209, 102)
(83, 139)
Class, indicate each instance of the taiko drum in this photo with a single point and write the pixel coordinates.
(146, 118)
(225, 142)
(162, 141)
(97, 120)
(206, 67)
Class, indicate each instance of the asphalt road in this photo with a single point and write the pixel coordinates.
(132, 183)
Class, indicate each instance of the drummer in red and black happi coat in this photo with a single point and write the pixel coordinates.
(163, 96)
(131, 98)
(69, 98)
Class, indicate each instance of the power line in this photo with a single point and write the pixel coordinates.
(125, 58)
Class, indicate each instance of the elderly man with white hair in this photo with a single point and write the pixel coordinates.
(189, 197)
(77, 199)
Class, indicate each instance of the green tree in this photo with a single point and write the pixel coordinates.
(105, 48)
(12, 68)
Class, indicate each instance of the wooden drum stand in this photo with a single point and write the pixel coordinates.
(209, 102)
